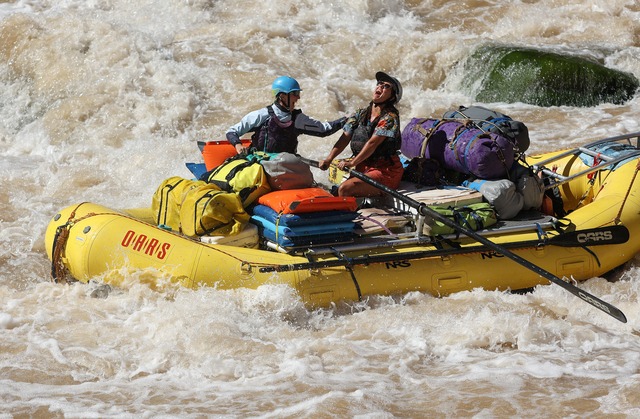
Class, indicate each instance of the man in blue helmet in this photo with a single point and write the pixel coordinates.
(276, 127)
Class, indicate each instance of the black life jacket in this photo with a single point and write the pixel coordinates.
(364, 129)
(275, 136)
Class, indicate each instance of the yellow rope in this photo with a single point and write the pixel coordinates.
(624, 201)
(58, 270)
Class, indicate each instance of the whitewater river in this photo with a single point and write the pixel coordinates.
(101, 100)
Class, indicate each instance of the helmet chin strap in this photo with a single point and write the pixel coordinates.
(286, 104)
(389, 101)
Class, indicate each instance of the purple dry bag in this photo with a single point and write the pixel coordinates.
(460, 146)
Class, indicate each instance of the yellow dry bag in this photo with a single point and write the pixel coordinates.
(209, 211)
(168, 198)
(246, 177)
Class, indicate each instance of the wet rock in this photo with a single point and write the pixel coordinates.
(101, 291)
(543, 78)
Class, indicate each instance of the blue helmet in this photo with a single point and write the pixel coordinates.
(284, 84)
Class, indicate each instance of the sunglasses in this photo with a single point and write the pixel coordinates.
(384, 85)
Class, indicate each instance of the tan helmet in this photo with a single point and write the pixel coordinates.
(397, 87)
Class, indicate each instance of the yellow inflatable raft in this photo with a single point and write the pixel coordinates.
(88, 241)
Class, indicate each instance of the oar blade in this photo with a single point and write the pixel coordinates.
(599, 236)
(602, 305)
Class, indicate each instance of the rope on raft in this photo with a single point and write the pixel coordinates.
(624, 201)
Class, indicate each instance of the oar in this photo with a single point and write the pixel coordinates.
(616, 234)
(609, 235)
(424, 210)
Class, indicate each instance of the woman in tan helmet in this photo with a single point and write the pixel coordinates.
(374, 135)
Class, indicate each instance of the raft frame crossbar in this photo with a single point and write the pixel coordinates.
(606, 160)
(419, 239)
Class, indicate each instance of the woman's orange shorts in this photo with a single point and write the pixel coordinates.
(385, 170)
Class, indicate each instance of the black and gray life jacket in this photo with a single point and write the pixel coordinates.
(364, 129)
(275, 136)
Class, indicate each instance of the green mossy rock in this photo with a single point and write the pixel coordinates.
(503, 74)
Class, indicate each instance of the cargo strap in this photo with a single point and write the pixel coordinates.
(461, 129)
(464, 127)
(163, 207)
(494, 122)
(378, 223)
(427, 133)
(348, 264)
